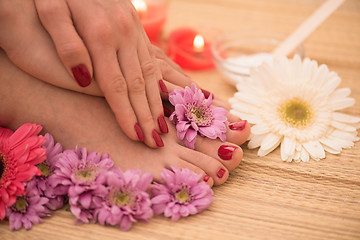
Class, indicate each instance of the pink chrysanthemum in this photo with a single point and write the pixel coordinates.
(53, 153)
(123, 199)
(193, 113)
(20, 151)
(75, 174)
(28, 209)
(181, 195)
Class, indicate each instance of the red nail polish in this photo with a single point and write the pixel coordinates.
(162, 124)
(206, 93)
(225, 152)
(139, 132)
(157, 138)
(220, 173)
(240, 125)
(81, 75)
(167, 112)
(163, 87)
(206, 178)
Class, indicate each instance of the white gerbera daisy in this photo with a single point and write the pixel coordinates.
(294, 103)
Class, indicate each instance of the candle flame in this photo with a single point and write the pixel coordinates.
(199, 43)
(140, 5)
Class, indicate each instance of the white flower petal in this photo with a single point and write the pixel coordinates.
(304, 155)
(338, 104)
(331, 150)
(345, 118)
(315, 149)
(255, 141)
(342, 126)
(269, 141)
(260, 128)
(287, 148)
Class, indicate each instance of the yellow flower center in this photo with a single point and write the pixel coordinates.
(183, 196)
(44, 168)
(120, 198)
(199, 114)
(86, 174)
(21, 204)
(296, 112)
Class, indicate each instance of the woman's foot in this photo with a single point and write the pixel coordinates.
(76, 119)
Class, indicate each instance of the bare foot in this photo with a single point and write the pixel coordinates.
(76, 119)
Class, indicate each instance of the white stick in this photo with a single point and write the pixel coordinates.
(307, 27)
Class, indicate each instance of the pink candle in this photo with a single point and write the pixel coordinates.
(153, 16)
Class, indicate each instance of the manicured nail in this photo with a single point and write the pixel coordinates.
(220, 173)
(162, 124)
(206, 93)
(157, 138)
(167, 111)
(139, 132)
(240, 125)
(225, 152)
(81, 75)
(206, 178)
(163, 87)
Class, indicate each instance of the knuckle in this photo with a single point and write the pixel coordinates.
(69, 49)
(148, 68)
(164, 67)
(137, 84)
(118, 85)
(47, 9)
(102, 31)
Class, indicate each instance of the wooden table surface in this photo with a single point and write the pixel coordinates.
(264, 198)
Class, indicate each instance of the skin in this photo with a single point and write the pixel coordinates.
(76, 119)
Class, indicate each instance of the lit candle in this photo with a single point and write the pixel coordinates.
(189, 49)
(152, 14)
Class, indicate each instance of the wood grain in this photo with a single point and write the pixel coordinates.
(264, 198)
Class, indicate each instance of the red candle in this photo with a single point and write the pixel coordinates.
(189, 49)
(152, 14)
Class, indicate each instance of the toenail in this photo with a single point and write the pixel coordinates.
(162, 124)
(157, 138)
(206, 178)
(225, 152)
(240, 125)
(139, 132)
(206, 93)
(220, 173)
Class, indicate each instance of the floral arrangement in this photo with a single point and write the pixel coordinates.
(294, 103)
(38, 177)
(193, 114)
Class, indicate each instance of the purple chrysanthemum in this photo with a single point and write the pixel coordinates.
(28, 209)
(193, 113)
(181, 195)
(123, 199)
(75, 174)
(53, 153)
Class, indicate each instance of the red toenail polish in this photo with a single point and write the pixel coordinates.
(206, 178)
(163, 87)
(81, 75)
(206, 93)
(220, 173)
(240, 125)
(139, 132)
(225, 152)
(157, 138)
(162, 124)
(167, 112)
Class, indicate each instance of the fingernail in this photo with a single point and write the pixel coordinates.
(162, 124)
(240, 125)
(81, 75)
(167, 112)
(206, 178)
(157, 138)
(206, 93)
(139, 132)
(225, 152)
(220, 173)
(163, 87)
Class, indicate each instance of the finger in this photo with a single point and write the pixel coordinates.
(159, 54)
(130, 67)
(56, 19)
(154, 83)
